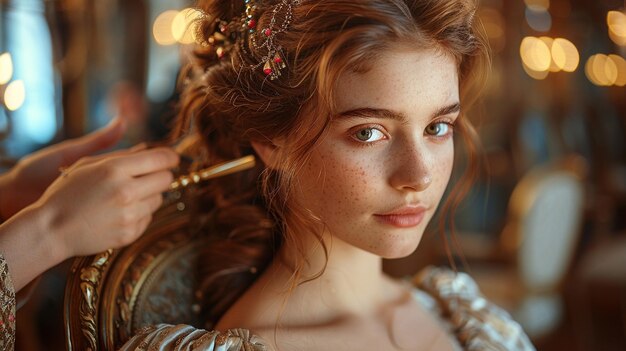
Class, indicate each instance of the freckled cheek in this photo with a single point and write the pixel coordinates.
(348, 187)
(444, 169)
(442, 172)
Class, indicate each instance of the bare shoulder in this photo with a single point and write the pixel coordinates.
(399, 324)
(358, 334)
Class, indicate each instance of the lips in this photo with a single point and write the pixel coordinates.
(403, 217)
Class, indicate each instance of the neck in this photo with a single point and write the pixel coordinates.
(351, 280)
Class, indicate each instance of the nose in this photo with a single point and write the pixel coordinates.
(411, 170)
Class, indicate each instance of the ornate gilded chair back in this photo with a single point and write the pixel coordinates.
(110, 295)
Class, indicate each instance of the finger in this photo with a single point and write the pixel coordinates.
(142, 225)
(93, 142)
(152, 184)
(147, 161)
(136, 218)
(134, 232)
(146, 208)
(93, 159)
(152, 203)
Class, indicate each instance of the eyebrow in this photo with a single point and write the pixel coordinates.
(368, 112)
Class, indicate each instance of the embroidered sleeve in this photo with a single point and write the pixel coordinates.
(165, 337)
(7, 308)
(477, 323)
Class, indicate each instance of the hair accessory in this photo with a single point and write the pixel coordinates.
(252, 41)
(219, 170)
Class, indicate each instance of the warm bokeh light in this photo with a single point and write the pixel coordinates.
(565, 55)
(605, 69)
(616, 22)
(620, 63)
(601, 70)
(621, 41)
(539, 75)
(548, 41)
(14, 95)
(535, 54)
(538, 5)
(6, 68)
(543, 55)
(184, 25)
(589, 70)
(162, 28)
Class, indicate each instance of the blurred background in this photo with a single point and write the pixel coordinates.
(543, 229)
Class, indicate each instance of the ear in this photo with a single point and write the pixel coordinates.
(266, 151)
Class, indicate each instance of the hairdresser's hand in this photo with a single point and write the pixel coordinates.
(106, 201)
(25, 182)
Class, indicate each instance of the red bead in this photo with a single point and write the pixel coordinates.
(277, 59)
(268, 32)
(267, 68)
(252, 23)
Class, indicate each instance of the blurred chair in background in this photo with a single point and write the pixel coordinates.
(524, 271)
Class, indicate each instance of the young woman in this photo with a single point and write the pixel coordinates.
(351, 107)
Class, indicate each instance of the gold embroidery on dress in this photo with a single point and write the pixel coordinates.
(478, 323)
(7, 308)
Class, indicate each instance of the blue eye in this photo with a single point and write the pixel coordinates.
(369, 135)
(439, 129)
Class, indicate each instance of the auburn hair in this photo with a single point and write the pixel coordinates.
(225, 105)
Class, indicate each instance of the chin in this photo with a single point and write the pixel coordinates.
(395, 250)
(398, 254)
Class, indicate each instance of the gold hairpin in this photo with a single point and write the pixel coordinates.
(215, 171)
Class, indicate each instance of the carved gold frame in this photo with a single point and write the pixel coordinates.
(102, 290)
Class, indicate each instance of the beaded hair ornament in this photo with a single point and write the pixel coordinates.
(243, 32)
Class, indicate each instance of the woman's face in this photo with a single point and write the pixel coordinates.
(378, 175)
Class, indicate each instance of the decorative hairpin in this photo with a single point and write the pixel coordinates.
(243, 32)
(219, 170)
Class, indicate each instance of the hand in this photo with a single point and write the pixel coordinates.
(106, 201)
(25, 182)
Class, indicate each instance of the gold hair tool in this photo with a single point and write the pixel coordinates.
(215, 171)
